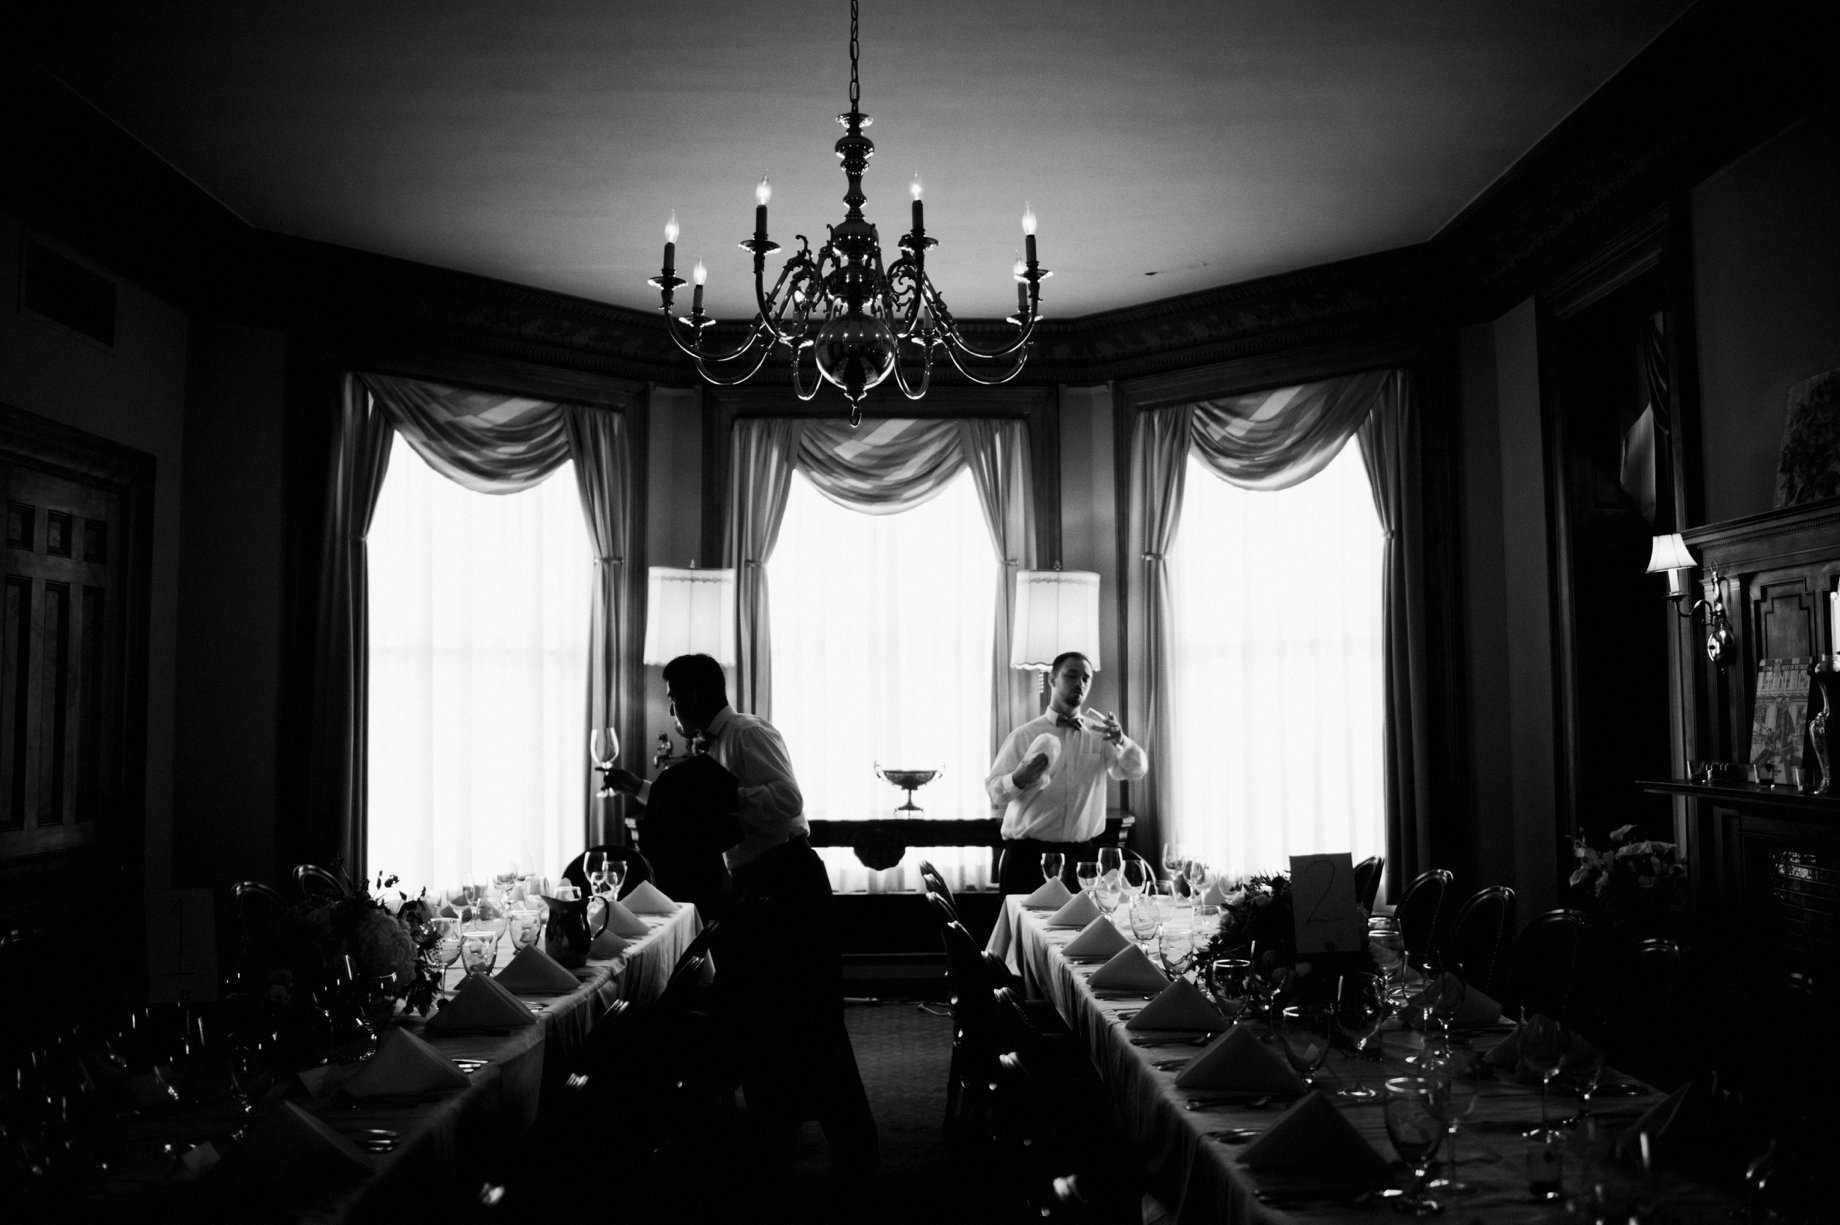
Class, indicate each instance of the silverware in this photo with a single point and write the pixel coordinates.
(1169, 1065)
(1233, 1135)
(1175, 1040)
(1212, 1103)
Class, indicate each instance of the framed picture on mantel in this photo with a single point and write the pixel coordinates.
(1780, 711)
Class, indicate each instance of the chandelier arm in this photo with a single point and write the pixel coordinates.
(798, 385)
(953, 339)
(926, 372)
(769, 305)
(1015, 368)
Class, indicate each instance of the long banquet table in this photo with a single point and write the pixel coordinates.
(434, 1134)
(1200, 1180)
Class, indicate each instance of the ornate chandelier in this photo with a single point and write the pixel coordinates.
(857, 318)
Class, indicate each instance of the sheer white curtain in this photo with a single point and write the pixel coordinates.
(881, 641)
(1276, 670)
(479, 626)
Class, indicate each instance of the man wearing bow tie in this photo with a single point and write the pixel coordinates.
(1063, 808)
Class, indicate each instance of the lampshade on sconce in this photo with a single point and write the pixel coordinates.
(1056, 611)
(1670, 553)
(690, 612)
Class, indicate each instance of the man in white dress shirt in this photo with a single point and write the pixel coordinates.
(1060, 808)
(778, 969)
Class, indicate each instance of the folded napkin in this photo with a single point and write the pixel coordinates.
(608, 944)
(1506, 1054)
(535, 972)
(480, 1003)
(623, 922)
(1051, 896)
(404, 1066)
(1180, 1006)
(1475, 1008)
(1128, 970)
(290, 1155)
(1076, 913)
(1315, 1139)
(647, 898)
(1669, 1123)
(1240, 1063)
(1100, 938)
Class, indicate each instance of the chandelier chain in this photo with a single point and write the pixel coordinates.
(855, 89)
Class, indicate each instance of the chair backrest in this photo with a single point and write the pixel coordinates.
(973, 1005)
(1480, 935)
(1418, 911)
(638, 867)
(313, 881)
(935, 885)
(1367, 881)
(1544, 964)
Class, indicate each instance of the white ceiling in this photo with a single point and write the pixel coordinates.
(1167, 145)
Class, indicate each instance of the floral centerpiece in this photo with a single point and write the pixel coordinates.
(1256, 911)
(385, 933)
(1637, 883)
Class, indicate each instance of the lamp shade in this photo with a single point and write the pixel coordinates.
(689, 612)
(1056, 611)
(1670, 553)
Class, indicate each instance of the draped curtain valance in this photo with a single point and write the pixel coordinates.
(882, 467)
(490, 443)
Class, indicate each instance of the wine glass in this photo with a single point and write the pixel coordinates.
(1144, 922)
(1175, 944)
(1583, 1065)
(1051, 864)
(1107, 893)
(616, 875)
(1197, 874)
(479, 950)
(1415, 1124)
(1387, 947)
(1543, 1046)
(594, 863)
(1459, 1104)
(1230, 979)
(1173, 855)
(1360, 1006)
(526, 925)
(603, 747)
(1087, 873)
(446, 945)
(1135, 874)
(1306, 1031)
(1111, 863)
(1442, 999)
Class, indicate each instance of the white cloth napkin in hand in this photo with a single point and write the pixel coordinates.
(1240, 1063)
(481, 1003)
(404, 1065)
(535, 972)
(1100, 938)
(647, 898)
(1047, 743)
(1180, 1006)
(1314, 1138)
(1076, 913)
(1128, 970)
(1051, 896)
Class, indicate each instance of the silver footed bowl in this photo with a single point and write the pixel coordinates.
(909, 779)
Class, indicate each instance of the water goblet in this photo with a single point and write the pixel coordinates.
(1111, 863)
(616, 875)
(1087, 873)
(1051, 864)
(1544, 1042)
(1306, 1031)
(1107, 894)
(1360, 1007)
(1175, 945)
(1144, 922)
(1387, 947)
(1135, 874)
(1231, 981)
(1441, 1000)
(1583, 1067)
(1414, 1107)
(1197, 875)
(526, 926)
(478, 950)
(1173, 857)
(1459, 1104)
(446, 946)
(594, 864)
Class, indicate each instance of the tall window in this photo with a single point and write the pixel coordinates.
(1277, 683)
(882, 638)
(479, 614)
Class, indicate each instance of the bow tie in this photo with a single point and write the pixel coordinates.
(1069, 721)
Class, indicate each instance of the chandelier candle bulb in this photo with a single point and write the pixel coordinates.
(670, 245)
(1028, 230)
(919, 208)
(762, 194)
(699, 276)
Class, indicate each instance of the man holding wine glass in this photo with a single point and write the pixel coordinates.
(779, 973)
(1053, 799)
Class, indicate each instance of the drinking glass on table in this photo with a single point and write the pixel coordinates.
(1459, 1104)
(1306, 1031)
(594, 863)
(1387, 947)
(1360, 1006)
(1198, 876)
(1414, 1109)
(1136, 876)
(1174, 855)
(1544, 1042)
(479, 950)
(526, 925)
(1231, 981)
(446, 946)
(1583, 1067)
(1442, 999)
(1144, 922)
(1111, 863)
(1087, 873)
(616, 875)
(1176, 946)
(1051, 864)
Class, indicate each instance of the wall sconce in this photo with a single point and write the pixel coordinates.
(1670, 554)
(1056, 611)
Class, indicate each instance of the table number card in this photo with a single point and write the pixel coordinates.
(1323, 906)
(181, 946)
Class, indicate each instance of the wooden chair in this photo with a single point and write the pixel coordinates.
(313, 882)
(973, 1021)
(638, 867)
(1367, 881)
(1480, 934)
(934, 882)
(1544, 966)
(1418, 911)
